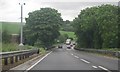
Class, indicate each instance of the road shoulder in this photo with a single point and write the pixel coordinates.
(29, 63)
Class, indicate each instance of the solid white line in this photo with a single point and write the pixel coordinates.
(76, 56)
(39, 61)
(104, 68)
(94, 66)
(85, 61)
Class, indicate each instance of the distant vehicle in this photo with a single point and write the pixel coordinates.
(59, 46)
(69, 46)
(74, 43)
(68, 41)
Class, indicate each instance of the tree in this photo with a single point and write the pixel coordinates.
(42, 27)
(62, 38)
(97, 27)
(118, 25)
(67, 26)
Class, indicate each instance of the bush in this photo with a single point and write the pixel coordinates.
(42, 50)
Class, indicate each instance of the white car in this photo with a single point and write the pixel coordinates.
(68, 41)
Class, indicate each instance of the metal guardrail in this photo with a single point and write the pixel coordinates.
(15, 56)
(106, 52)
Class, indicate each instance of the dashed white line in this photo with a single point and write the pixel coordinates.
(39, 61)
(85, 61)
(94, 66)
(71, 54)
(76, 56)
(104, 68)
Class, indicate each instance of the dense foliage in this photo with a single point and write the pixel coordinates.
(42, 27)
(67, 26)
(97, 27)
(62, 38)
(6, 37)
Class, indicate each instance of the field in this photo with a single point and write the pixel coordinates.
(70, 34)
(11, 27)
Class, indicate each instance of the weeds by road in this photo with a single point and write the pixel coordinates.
(13, 47)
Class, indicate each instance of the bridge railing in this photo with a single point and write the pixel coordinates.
(15, 56)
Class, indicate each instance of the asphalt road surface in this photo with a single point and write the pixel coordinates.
(70, 59)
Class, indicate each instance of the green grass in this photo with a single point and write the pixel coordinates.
(13, 47)
(70, 34)
(11, 27)
(9, 47)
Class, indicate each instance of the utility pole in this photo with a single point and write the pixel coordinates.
(21, 34)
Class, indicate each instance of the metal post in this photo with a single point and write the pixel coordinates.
(21, 35)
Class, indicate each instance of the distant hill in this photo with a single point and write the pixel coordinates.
(11, 27)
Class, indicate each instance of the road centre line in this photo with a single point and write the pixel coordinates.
(39, 60)
(85, 61)
(94, 66)
(76, 56)
(71, 54)
(104, 68)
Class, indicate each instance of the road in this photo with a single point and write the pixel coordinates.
(70, 59)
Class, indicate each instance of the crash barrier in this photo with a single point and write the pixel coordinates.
(15, 56)
(105, 52)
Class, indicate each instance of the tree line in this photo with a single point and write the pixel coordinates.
(95, 27)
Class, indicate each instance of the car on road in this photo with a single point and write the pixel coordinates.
(59, 46)
(69, 46)
(68, 41)
(74, 44)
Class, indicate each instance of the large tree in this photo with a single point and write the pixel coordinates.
(42, 27)
(97, 27)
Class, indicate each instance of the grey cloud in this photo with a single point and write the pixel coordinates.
(76, 5)
(69, 10)
(3, 4)
(72, 9)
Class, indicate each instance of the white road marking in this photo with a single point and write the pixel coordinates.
(85, 61)
(94, 66)
(76, 56)
(71, 54)
(39, 61)
(104, 68)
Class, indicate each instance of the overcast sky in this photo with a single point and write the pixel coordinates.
(69, 9)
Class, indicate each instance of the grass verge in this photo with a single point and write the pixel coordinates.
(13, 47)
